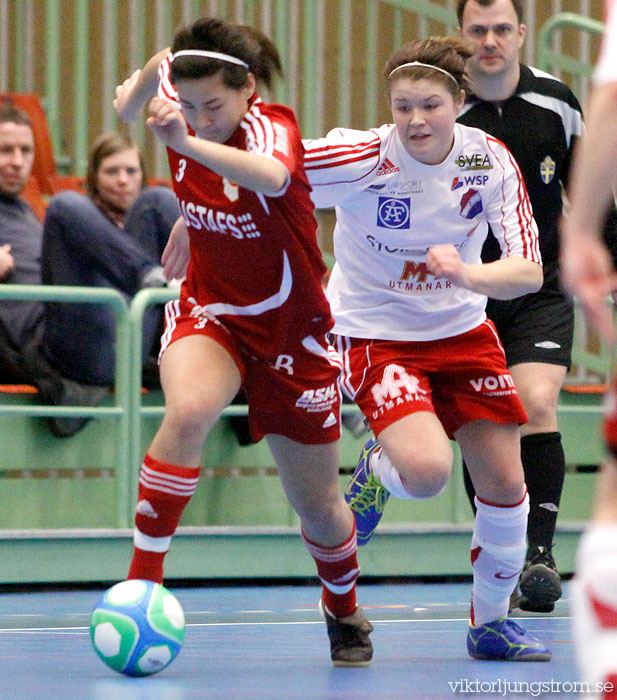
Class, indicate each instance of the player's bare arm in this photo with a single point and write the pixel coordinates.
(249, 170)
(503, 279)
(175, 258)
(587, 271)
(586, 268)
(133, 94)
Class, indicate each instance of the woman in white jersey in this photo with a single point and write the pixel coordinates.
(413, 204)
(588, 272)
(251, 312)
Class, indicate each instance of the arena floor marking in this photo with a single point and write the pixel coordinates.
(278, 651)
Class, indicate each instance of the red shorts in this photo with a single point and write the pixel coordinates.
(295, 394)
(460, 379)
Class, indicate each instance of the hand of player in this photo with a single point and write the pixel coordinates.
(7, 264)
(445, 261)
(125, 104)
(175, 258)
(587, 272)
(167, 123)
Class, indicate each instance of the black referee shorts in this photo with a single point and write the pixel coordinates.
(536, 327)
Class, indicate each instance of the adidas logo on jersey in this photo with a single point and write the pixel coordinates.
(145, 508)
(387, 167)
(330, 421)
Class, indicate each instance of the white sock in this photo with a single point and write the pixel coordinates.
(497, 555)
(389, 476)
(594, 603)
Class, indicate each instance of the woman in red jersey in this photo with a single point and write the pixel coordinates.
(252, 312)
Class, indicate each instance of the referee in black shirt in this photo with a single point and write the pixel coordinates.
(539, 120)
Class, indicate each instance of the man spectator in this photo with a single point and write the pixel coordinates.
(67, 350)
(20, 240)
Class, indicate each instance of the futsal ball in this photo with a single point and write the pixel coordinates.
(137, 627)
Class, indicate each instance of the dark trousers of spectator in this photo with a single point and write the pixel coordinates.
(81, 246)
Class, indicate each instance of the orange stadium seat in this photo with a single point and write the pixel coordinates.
(45, 180)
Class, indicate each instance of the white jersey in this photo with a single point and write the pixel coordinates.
(606, 69)
(391, 209)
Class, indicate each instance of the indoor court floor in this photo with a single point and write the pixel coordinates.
(268, 643)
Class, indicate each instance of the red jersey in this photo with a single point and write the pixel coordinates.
(255, 264)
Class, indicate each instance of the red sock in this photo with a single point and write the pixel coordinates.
(164, 491)
(338, 570)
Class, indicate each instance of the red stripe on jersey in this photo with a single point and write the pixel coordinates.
(259, 129)
(336, 164)
(525, 211)
(503, 197)
(168, 95)
(330, 153)
(165, 84)
(523, 208)
(253, 124)
(331, 148)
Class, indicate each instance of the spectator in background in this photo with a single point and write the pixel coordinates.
(539, 120)
(20, 238)
(113, 236)
(67, 353)
(588, 272)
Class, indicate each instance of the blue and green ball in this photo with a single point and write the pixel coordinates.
(137, 627)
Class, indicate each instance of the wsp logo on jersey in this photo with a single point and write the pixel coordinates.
(393, 213)
(547, 170)
(471, 204)
(473, 180)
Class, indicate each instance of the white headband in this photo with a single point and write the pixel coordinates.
(211, 54)
(417, 64)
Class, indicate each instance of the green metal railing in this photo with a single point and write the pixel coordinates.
(143, 299)
(549, 59)
(130, 411)
(121, 408)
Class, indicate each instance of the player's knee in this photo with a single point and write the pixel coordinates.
(540, 404)
(427, 476)
(316, 509)
(191, 415)
(156, 197)
(505, 488)
(66, 202)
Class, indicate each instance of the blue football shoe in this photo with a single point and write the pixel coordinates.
(504, 640)
(366, 496)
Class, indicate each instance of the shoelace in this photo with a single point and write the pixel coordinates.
(540, 557)
(370, 496)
